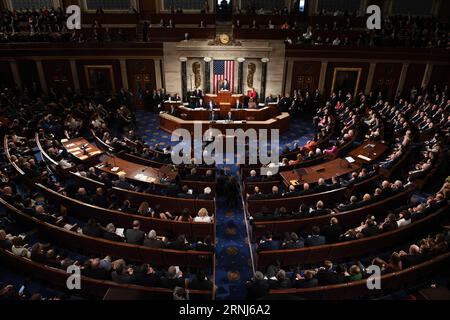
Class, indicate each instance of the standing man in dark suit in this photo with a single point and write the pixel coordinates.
(225, 86)
(198, 93)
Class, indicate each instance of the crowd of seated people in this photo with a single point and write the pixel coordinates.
(331, 274)
(385, 190)
(11, 292)
(404, 31)
(426, 111)
(117, 270)
(429, 155)
(44, 24)
(57, 215)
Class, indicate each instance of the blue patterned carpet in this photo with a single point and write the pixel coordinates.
(148, 124)
(233, 259)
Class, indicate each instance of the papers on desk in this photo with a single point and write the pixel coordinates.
(120, 232)
(350, 159)
(294, 182)
(114, 169)
(143, 177)
(360, 156)
(369, 146)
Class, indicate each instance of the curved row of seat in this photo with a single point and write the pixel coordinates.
(95, 288)
(351, 249)
(77, 241)
(358, 289)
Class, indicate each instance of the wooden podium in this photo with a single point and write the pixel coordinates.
(224, 97)
(225, 100)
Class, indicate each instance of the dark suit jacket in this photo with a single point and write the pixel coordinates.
(332, 233)
(204, 196)
(326, 277)
(370, 231)
(257, 289)
(154, 243)
(268, 245)
(112, 237)
(135, 236)
(225, 86)
(306, 283)
(93, 231)
(147, 280)
(315, 241)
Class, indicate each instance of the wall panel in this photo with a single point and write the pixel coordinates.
(385, 78)
(330, 72)
(115, 64)
(414, 77)
(305, 75)
(58, 74)
(6, 78)
(440, 76)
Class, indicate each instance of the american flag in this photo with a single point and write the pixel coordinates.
(223, 69)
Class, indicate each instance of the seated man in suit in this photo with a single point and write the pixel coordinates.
(229, 116)
(225, 85)
(206, 195)
(174, 111)
(267, 243)
(333, 231)
(315, 239)
(326, 275)
(321, 186)
(319, 210)
(239, 105)
(306, 281)
(253, 177)
(214, 116)
(258, 287)
(135, 235)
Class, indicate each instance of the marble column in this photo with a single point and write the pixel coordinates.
(124, 74)
(207, 80)
(75, 78)
(184, 94)
(240, 74)
(322, 76)
(427, 75)
(15, 73)
(401, 81)
(263, 79)
(370, 77)
(41, 75)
